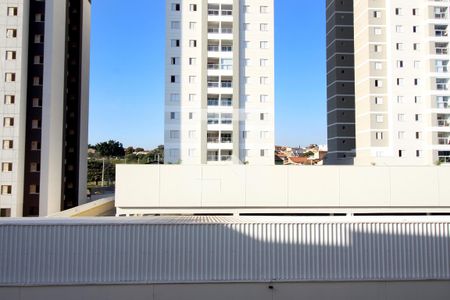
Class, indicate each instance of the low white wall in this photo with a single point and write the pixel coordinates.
(178, 186)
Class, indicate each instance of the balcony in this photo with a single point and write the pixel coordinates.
(213, 12)
(213, 101)
(226, 137)
(213, 48)
(440, 31)
(213, 137)
(444, 157)
(443, 120)
(213, 84)
(226, 84)
(442, 102)
(226, 102)
(442, 84)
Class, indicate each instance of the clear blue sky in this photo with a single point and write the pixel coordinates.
(127, 72)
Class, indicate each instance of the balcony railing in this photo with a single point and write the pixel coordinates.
(213, 66)
(226, 157)
(213, 121)
(213, 102)
(443, 123)
(227, 12)
(227, 84)
(226, 102)
(227, 48)
(213, 157)
(227, 121)
(441, 33)
(442, 86)
(444, 159)
(444, 141)
(443, 105)
(226, 140)
(213, 30)
(443, 51)
(213, 12)
(213, 48)
(440, 15)
(227, 30)
(442, 69)
(213, 140)
(213, 84)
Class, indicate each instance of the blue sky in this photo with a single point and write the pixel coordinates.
(127, 72)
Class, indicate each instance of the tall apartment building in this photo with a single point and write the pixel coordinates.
(340, 83)
(402, 82)
(44, 82)
(219, 105)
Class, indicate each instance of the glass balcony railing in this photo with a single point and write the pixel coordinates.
(213, 140)
(213, 102)
(213, 84)
(212, 48)
(443, 105)
(227, 12)
(213, 30)
(227, 48)
(213, 12)
(443, 123)
(445, 141)
(226, 140)
(227, 84)
(227, 30)
(226, 157)
(226, 102)
(212, 157)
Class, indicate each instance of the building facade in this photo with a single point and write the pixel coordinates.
(219, 106)
(340, 83)
(44, 66)
(402, 82)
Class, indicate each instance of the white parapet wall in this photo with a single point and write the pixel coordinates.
(179, 189)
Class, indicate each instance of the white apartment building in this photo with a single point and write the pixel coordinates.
(402, 82)
(44, 90)
(219, 106)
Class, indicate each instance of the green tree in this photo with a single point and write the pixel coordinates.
(110, 149)
(129, 150)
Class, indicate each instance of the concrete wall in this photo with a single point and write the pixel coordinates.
(161, 189)
(312, 291)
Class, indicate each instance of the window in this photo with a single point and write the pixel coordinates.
(400, 64)
(192, 152)
(246, 9)
(379, 135)
(378, 83)
(38, 18)
(264, 80)
(175, 7)
(264, 27)
(401, 117)
(246, 26)
(174, 116)
(399, 12)
(8, 144)
(11, 33)
(416, 47)
(35, 146)
(8, 122)
(246, 44)
(415, 11)
(37, 81)
(174, 60)
(264, 135)
(247, 62)
(5, 212)
(399, 29)
(6, 190)
(378, 66)
(399, 46)
(192, 134)
(193, 7)
(264, 45)
(175, 25)
(401, 153)
(416, 64)
(192, 61)
(263, 116)
(264, 9)
(417, 99)
(380, 118)
(34, 189)
(378, 48)
(174, 79)
(38, 60)
(174, 43)
(192, 25)
(175, 97)
(11, 55)
(37, 102)
(7, 167)
(377, 14)
(192, 43)
(38, 38)
(419, 153)
(378, 100)
(400, 99)
(10, 77)
(35, 167)
(418, 118)
(263, 98)
(192, 79)
(191, 116)
(263, 62)
(10, 99)
(174, 134)
(400, 81)
(174, 153)
(416, 81)
(401, 135)
(415, 29)
(192, 97)
(244, 134)
(264, 152)
(418, 135)
(36, 124)
(12, 11)
(377, 31)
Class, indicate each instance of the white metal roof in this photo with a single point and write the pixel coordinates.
(222, 249)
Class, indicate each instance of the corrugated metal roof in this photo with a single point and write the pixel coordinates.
(220, 249)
